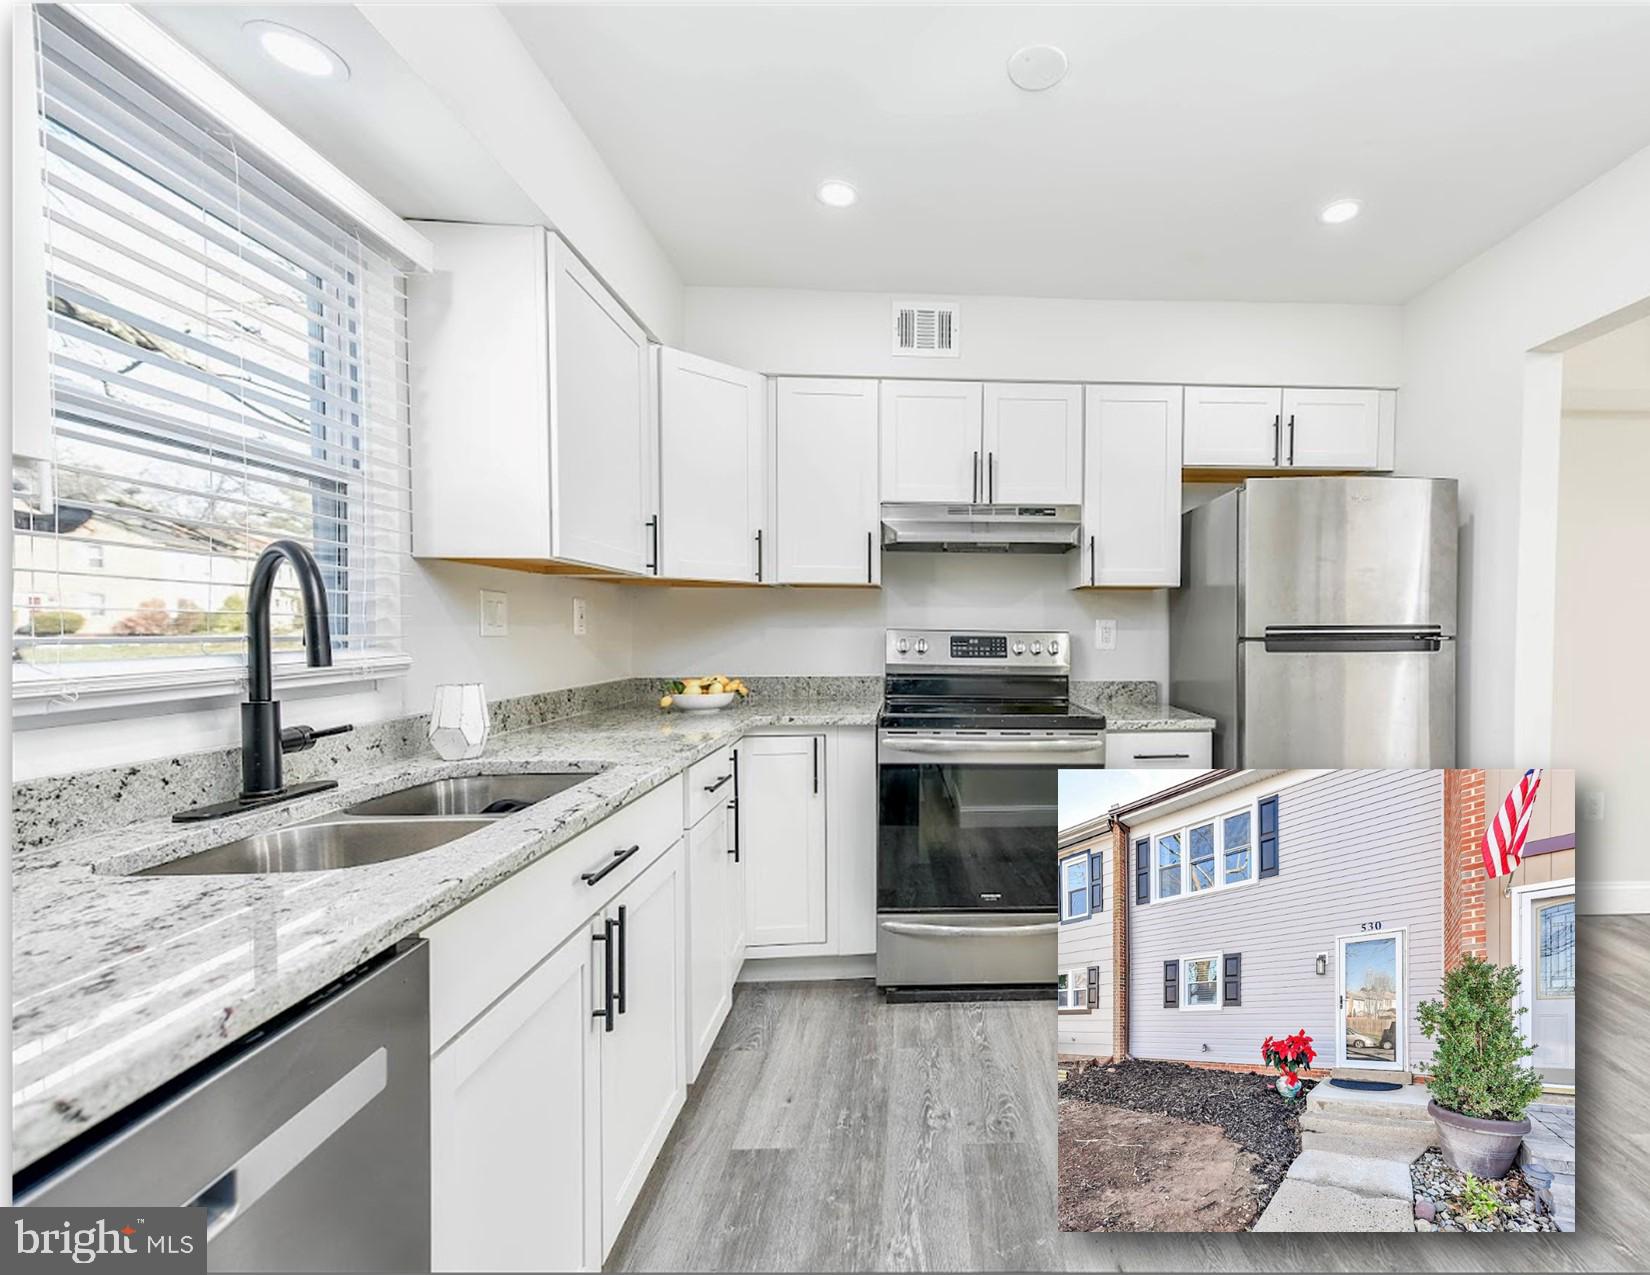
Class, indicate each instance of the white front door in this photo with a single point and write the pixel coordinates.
(1372, 1013)
(1546, 936)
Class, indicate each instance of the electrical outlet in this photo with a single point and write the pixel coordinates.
(495, 613)
(1592, 806)
(1105, 635)
(581, 622)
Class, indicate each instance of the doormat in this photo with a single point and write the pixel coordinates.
(1371, 1086)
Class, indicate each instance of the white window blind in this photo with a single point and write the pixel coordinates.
(228, 367)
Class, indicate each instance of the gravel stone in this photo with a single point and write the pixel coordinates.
(1439, 1187)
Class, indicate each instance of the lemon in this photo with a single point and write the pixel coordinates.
(666, 702)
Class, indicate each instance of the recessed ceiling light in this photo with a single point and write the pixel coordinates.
(297, 51)
(1334, 214)
(1037, 67)
(836, 193)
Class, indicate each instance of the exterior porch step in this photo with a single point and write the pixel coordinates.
(1359, 1122)
(1307, 1206)
(1402, 1148)
(1364, 1174)
(1408, 1103)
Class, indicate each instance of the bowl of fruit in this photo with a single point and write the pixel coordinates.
(701, 694)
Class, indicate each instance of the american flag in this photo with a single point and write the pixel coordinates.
(1503, 844)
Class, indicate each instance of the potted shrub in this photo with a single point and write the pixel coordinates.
(1480, 1090)
(1291, 1056)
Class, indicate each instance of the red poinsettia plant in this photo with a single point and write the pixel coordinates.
(1291, 1055)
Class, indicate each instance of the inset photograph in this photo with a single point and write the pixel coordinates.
(1317, 1000)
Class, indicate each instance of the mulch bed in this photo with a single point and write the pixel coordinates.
(1439, 1205)
(1248, 1108)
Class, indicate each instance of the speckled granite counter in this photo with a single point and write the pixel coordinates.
(1156, 717)
(120, 983)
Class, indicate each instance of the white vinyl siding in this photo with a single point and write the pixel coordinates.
(1355, 847)
(1086, 945)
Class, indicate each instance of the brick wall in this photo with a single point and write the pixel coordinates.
(1465, 885)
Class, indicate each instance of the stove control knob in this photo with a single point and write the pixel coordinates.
(1036, 648)
(1019, 648)
(1053, 646)
(902, 646)
(922, 646)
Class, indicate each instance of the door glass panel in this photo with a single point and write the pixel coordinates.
(1371, 1014)
(1201, 843)
(1556, 933)
(1168, 866)
(957, 836)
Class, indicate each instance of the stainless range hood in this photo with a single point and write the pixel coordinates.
(940, 528)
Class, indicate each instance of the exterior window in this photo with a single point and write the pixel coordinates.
(1200, 982)
(1074, 989)
(1200, 860)
(1168, 865)
(1075, 893)
(1236, 848)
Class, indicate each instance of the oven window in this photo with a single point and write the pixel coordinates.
(954, 837)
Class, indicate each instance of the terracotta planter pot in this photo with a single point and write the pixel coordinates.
(1486, 1148)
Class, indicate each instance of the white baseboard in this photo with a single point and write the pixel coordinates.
(807, 969)
(1613, 897)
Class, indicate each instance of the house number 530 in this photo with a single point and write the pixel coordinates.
(1370, 925)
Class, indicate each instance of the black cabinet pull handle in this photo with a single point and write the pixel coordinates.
(619, 856)
(734, 805)
(759, 555)
(990, 478)
(1091, 559)
(1291, 440)
(623, 981)
(605, 938)
(724, 779)
(976, 488)
(868, 575)
(653, 530)
(1277, 440)
(1162, 757)
(816, 763)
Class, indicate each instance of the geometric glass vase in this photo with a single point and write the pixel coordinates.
(459, 723)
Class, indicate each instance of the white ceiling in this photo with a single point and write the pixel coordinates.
(1184, 157)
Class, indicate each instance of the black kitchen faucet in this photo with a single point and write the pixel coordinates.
(263, 740)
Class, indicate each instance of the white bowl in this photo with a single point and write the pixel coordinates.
(703, 703)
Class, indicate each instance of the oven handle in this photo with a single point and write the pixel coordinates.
(996, 745)
(922, 927)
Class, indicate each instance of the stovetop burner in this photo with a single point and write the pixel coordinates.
(938, 680)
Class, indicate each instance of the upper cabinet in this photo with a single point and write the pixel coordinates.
(1248, 428)
(931, 445)
(826, 519)
(530, 397)
(1033, 444)
(1131, 496)
(712, 470)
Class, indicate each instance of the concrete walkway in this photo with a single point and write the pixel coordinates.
(1353, 1170)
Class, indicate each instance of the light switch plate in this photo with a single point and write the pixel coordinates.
(581, 621)
(1592, 806)
(495, 613)
(1105, 635)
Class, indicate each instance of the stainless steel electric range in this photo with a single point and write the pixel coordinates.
(974, 730)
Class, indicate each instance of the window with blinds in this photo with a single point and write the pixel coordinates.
(228, 367)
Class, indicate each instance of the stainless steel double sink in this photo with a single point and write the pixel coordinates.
(393, 826)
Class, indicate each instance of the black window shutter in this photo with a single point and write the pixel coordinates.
(1269, 837)
(1232, 979)
(1143, 870)
(1097, 881)
(1094, 987)
(1171, 984)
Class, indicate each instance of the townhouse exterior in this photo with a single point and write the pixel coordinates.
(1253, 903)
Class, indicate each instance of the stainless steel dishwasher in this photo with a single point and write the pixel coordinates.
(307, 1142)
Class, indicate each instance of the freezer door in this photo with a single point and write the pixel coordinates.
(1370, 552)
(1369, 705)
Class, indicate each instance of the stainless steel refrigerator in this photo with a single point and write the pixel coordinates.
(1315, 622)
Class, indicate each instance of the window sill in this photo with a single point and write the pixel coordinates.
(48, 700)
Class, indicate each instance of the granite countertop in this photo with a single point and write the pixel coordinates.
(1155, 717)
(120, 983)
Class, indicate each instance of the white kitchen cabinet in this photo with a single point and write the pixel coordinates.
(931, 444)
(782, 838)
(851, 838)
(826, 516)
(711, 928)
(643, 1080)
(1336, 429)
(513, 1129)
(712, 469)
(530, 389)
(1131, 498)
(1158, 750)
(1237, 427)
(1032, 439)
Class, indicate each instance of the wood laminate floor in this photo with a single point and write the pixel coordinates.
(831, 1132)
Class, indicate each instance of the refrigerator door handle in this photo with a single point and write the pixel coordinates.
(1329, 638)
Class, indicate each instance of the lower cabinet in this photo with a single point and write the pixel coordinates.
(1159, 750)
(716, 928)
(782, 838)
(514, 1119)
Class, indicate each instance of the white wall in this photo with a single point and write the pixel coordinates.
(1174, 342)
(1467, 363)
(772, 632)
